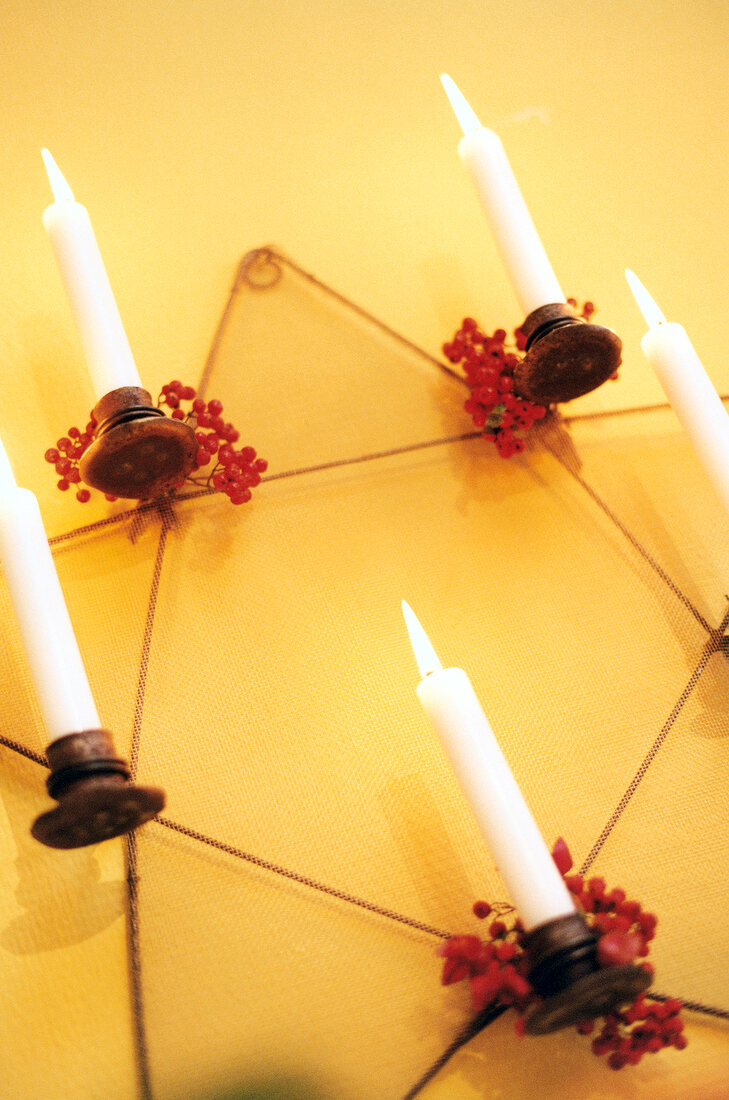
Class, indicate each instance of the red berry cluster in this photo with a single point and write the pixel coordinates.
(64, 458)
(489, 365)
(624, 930)
(644, 1028)
(497, 969)
(489, 368)
(235, 472)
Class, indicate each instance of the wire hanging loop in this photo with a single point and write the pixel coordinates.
(260, 269)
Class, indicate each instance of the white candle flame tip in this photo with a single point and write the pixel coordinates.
(425, 656)
(647, 306)
(59, 185)
(464, 112)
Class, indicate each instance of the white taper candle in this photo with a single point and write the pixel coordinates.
(521, 856)
(61, 684)
(688, 387)
(517, 240)
(104, 341)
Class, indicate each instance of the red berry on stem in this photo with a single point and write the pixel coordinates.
(618, 948)
(561, 856)
(454, 970)
(507, 951)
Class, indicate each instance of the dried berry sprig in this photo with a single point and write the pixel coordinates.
(503, 416)
(644, 1028)
(497, 968)
(235, 472)
(64, 458)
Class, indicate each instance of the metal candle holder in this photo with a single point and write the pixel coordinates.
(565, 356)
(96, 801)
(566, 974)
(138, 452)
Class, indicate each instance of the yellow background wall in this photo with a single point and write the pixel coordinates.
(195, 131)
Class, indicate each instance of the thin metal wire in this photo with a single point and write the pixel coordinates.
(646, 762)
(630, 537)
(134, 949)
(147, 643)
(271, 256)
(470, 1031)
(134, 946)
(29, 754)
(303, 880)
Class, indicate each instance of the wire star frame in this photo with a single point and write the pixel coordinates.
(282, 915)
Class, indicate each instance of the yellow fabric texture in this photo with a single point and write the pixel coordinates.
(315, 846)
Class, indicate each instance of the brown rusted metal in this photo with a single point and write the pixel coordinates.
(138, 453)
(565, 972)
(96, 801)
(565, 356)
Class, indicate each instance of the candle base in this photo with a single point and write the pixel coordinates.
(565, 356)
(96, 801)
(138, 453)
(565, 972)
